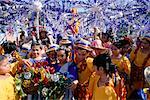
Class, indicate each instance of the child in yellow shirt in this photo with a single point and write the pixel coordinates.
(100, 84)
(7, 91)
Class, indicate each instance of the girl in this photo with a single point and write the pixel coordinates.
(100, 83)
(69, 69)
(37, 57)
(7, 91)
(51, 54)
(124, 68)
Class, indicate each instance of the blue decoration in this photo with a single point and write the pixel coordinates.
(130, 15)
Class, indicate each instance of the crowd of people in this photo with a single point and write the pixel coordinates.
(100, 68)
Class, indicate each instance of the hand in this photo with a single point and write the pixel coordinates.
(27, 63)
(73, 86)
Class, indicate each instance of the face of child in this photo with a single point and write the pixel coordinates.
(115, 50)
(4, 62)
(61, 55)
(81, 54)
(52, 55)
(4, 67)
(43, 35)
(36, 50)
(98, 71)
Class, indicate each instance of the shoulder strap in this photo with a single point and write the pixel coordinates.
(135, 52)
(145, 60)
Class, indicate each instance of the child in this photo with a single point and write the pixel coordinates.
(37, 57)
(100, 84)
(68, 68)
(7, 91)
(85, 68)
(51, 54)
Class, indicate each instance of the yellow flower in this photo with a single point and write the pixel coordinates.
(36, 70)
(42, 72)
(26, 83)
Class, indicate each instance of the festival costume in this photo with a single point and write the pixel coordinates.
(105, 92)
(7, 89)
(139, 61)
(85, 70)
(123, 64)
(124, 68)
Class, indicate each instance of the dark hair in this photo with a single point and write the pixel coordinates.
(104, 61)
(117, 44)
(146, 40)
(66, 52)
(22, 34)
(36, 44)
(126, 41)
(108, 36)
(9, 47)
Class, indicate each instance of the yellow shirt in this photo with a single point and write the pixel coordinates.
(139, 60)
(84, 75)
(123, 64)
(100, 93)
(7, 91)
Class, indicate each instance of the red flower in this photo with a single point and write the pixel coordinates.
(44, 63)
(36, 80)
(33, 65)
(52, 70)
(38, 64)
(45, 81)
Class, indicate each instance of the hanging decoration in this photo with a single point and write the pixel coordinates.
(130, 17)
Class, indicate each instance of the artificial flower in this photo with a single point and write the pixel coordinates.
(55, 77)
(26, 83)
(44, 91)
(27, 75)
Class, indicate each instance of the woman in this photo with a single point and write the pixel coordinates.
(124, 68)
(140, 59)
(43, 37)
(100, 84)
